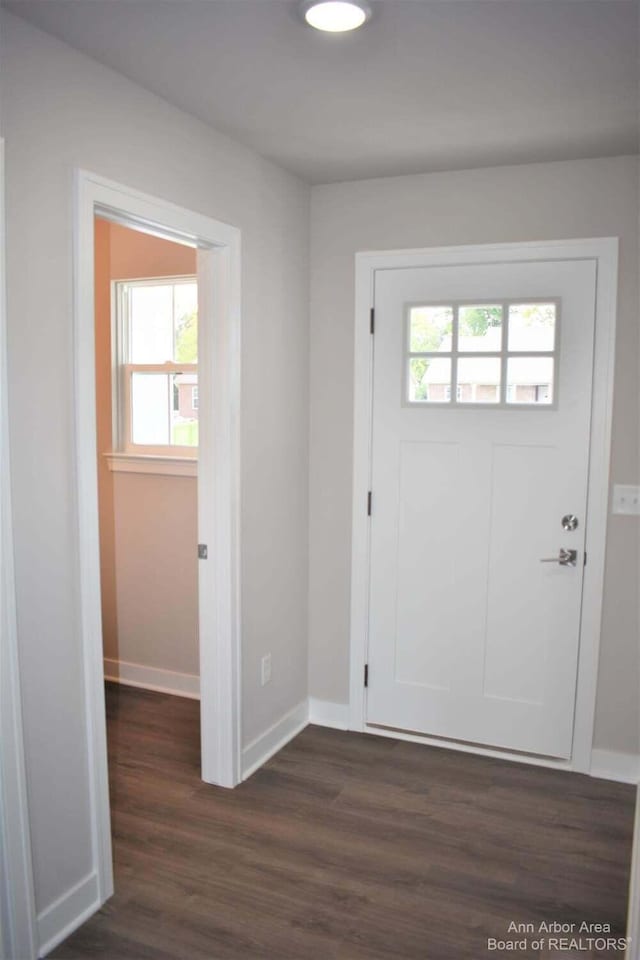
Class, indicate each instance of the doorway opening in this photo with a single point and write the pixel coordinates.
(159, 410)
(146, 334)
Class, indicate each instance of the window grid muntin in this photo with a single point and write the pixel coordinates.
(504, 355)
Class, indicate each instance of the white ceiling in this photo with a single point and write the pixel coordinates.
(424, 86)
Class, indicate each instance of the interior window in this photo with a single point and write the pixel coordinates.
(157, 364)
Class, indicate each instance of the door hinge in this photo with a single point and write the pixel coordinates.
(369, 498)
(372, 320)
(203, 551)
(366, 674)
(585, 558)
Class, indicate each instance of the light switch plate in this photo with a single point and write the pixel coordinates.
(626, 499)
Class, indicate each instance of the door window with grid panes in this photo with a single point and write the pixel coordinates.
(157, 366)
(496, 354)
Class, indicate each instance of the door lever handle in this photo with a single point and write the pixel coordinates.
(566, 558)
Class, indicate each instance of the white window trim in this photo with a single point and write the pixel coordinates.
(122, 370)
(152, 463)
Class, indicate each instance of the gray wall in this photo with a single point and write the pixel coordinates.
(591, 198)
(62, 110)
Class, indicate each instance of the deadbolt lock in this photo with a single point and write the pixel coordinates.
(569, 521)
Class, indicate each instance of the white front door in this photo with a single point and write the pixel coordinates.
(480, 446)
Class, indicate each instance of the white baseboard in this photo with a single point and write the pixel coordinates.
(609, 765)
(152, 678)
(67, 913)
(605, 764)
(324, 713)
(256, 753)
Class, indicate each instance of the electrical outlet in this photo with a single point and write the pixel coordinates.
(265, 675)
(626, 499)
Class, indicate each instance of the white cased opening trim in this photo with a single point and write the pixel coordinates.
(218, 472)
(605, 252)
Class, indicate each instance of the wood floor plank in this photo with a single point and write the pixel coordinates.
(344, 847)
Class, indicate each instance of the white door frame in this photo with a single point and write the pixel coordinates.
(605, 252)
(17, 902)
(218, 481)
(633, 911)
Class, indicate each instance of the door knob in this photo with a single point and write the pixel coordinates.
(566, 558)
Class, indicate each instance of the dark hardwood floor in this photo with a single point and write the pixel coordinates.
(345, 847)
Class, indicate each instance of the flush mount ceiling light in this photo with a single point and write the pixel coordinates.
(335, 16)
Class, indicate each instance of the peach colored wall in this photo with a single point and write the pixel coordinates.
(148, 524)
(102, 279)
(136, 255)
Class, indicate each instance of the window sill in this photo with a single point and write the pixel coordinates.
(146, 463)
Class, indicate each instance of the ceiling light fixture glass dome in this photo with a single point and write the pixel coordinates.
(335, 16)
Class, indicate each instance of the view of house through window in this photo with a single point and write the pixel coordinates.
(157, 345)
(483, 353)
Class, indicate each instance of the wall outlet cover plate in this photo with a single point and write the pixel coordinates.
(626, 499)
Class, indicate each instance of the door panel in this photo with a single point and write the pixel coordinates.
(427, 664)
(471, 637)
(516, 579)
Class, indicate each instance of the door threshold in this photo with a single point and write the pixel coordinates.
(464, 746)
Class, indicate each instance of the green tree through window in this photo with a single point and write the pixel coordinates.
(187, 338)
(477, 320)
